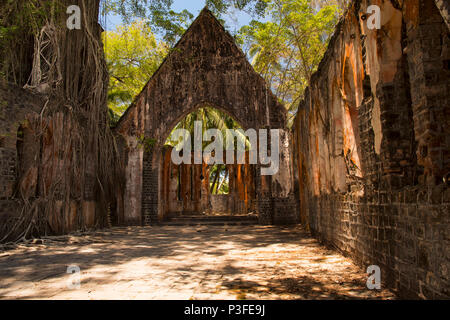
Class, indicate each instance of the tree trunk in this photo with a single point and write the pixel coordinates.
(79, 161)
(223, 180)
(219, 168)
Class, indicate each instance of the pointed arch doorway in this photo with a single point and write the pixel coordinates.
(205, 66)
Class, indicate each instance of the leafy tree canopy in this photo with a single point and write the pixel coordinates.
(287, 49)
(165, 21)
(132, 55)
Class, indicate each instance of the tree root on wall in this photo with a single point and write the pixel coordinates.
(77, 160)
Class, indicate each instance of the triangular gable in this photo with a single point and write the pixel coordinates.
(205, 45)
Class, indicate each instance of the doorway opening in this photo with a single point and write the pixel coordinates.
(213, 187)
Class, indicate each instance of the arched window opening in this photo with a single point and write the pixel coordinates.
(206, 186)
(219, 180)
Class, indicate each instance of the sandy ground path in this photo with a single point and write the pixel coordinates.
(239, 262)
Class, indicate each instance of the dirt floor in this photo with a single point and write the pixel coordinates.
(239, 262)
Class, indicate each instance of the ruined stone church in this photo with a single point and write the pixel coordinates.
(365, 167)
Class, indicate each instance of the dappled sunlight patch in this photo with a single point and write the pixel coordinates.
(179, 263)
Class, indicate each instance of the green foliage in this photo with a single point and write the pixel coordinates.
(171, 24)
(20, 20)
(19, 15)
(146, 143)
(132, 55)
(132, 52)
(211, 118)
(287, 50)
(130, 9)
(155, 13)
(252, 7)
(219, 179)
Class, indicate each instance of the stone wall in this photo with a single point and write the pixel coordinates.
(372, 146)
(17, 108)
(39, 168)
(222, 203)
(228, 204)
(205, 69)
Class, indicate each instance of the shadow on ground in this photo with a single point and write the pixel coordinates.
(239, 262)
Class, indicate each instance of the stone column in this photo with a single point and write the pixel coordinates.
(150, 186)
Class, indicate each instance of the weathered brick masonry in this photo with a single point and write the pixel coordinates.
(33, 166)
(186, 188)
(56, 149)
(205, 68)
(368, 170)
(372, 145)
(17, 107)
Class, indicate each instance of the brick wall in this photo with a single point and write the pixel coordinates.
(222, 203)
(375, 185)
(8, 172)
(16, 106)
(404, 232)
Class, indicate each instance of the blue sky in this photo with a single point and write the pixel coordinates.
(234, 20)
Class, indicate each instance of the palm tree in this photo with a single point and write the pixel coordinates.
(211, 118)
